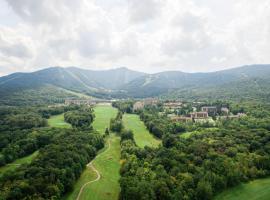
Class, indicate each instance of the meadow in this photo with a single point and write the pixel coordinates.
(141, 134)
(254, 190)
(58, 121)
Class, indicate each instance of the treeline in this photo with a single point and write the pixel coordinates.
(160, 125)
(124, 106)
(22, 131)
(47, 112)
(116, 124)
(25, 143)
(80, 118)
(56, 168)
(196, 168)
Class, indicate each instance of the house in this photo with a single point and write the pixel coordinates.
(199, 115)
(211, 110)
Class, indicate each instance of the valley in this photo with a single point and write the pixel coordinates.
(72, 147)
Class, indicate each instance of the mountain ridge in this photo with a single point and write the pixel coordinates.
(123, 82)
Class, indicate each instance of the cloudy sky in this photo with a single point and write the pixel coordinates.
(148, 35)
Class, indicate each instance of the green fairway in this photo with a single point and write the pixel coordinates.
(18, 162)
(103, 114)
(108, 165)
(141, 134)
(254, 190)
(58, 122)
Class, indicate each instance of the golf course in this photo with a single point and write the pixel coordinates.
(99, 181)
(141, 134)
(254, 190)
(58, 121)
(103, 115)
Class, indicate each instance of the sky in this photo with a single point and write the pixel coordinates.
(144, 35)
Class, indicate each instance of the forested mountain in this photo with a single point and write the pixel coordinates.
(160, 83)
(55, 83)
(70, 78)
(247, 81)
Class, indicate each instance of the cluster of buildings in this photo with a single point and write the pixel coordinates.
(205, 113)
(88, 102)
(173, 105)
(139, 105)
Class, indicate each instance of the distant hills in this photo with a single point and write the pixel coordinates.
(122, 82)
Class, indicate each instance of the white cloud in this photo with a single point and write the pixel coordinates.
(149, 35)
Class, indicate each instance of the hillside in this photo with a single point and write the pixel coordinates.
(242, 82)
(236, 80)
(53, 82)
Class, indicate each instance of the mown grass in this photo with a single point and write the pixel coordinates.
(141, 134)
(254, 190)
(18, 162)
(107, 163)
(103, 114)
(58, 121)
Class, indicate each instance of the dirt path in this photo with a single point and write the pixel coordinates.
(90, 165)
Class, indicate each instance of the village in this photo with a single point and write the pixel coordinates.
(179, 111)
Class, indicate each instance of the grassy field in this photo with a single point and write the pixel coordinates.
(108, 165)
(18, 162)
(103, 114)
(254, 190)
(141, 134)
(58, 122)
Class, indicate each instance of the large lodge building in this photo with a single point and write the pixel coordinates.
(88, 102)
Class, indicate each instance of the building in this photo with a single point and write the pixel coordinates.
(211, 110)
(145, 102)
(89, 102)
(181, 119)
(225, 111)
(138, 105)
(173, 105)
(199, 115)
(150, 101)
(237, 116)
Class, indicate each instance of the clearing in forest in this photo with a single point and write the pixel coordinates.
(58, 121)
(254, 190)
(141, 134)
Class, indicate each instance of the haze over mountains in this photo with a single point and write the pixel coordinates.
(123, 82)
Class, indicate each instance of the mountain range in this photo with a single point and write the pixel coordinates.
(122, 82)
